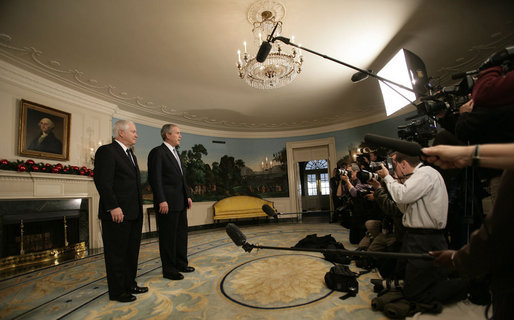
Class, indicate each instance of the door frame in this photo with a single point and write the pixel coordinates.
(293, 172)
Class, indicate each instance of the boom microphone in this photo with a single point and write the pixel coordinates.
(235, 234)
(240, 240)
(498, 58)
(263, 51)
(406, 147)
(265, 47)
(283, 39)
(360, 76)
(270, 211)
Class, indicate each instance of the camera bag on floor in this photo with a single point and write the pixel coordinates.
(341, 278)
(312, 241)
(394, 305)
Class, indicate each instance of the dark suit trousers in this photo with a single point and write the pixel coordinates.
(121, 251)
(173, 240)
(425, 282)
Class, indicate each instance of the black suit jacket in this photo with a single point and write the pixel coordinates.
(118, 182)
(167, 181)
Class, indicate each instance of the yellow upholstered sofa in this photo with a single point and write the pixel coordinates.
(238, 207)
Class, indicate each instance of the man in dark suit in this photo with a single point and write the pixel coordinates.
(171, 200)
(118, 182)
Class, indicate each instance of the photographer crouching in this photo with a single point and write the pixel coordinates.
(423, 200)
(366, 216)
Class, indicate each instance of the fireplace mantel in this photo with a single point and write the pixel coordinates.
(37, 185)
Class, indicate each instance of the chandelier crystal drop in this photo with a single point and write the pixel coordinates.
(280, 68)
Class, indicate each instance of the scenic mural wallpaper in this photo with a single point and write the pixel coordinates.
(220, 167)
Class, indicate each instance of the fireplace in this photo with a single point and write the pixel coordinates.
(55, 209)
(24, 187)
(29, 226)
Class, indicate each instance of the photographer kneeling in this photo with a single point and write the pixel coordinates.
(392, 231)
(423, 200)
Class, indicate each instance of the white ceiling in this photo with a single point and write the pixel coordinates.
(176, 60)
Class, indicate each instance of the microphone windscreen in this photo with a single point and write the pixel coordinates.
(406, 147)
(263, 51)
(235, 234)
(360, 76)
(269, 210)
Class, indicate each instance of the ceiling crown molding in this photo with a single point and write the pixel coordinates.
(29, 81)
(31, 58)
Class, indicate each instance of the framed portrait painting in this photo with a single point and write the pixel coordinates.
(44, 132)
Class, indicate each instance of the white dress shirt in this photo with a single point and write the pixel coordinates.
(174, 153)
(422, 198)
(125, 148)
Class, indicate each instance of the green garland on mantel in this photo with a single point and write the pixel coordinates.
(32, 166)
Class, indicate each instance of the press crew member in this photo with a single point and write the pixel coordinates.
(423, 200)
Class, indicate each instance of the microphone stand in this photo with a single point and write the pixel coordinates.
(287, 41)
(239, 240)
(375, 254)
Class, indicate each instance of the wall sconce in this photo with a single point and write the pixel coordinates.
(91, 152)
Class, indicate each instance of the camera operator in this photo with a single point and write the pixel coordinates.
(365, 214)
(363, 161)
(374, 157)
(493, 87)
(340, 199)
(491, 248)
(423, 200)
(489, 117)
(392, 227)
(389, 239)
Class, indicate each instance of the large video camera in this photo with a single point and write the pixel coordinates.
(420, 131)
(443, 105)
(447, 100)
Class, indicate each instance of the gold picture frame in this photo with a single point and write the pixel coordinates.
(44, 132)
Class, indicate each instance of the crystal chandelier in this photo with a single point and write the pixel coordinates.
(280, 68)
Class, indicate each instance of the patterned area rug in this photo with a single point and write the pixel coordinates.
(277, 282)
(228, 283)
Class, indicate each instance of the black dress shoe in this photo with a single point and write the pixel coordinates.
(187, 269)
(173, 276)
(138, 289)
(124, 297)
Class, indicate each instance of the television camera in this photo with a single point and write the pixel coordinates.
(419, 130)
(443, 106)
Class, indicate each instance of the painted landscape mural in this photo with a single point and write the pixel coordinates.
(220, 167)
